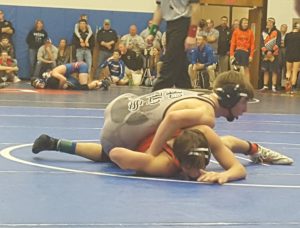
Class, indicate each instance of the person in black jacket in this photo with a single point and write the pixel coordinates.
(35, 39)
(83, 48)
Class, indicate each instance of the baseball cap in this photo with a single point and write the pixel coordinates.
(106, 21)
(48, 40)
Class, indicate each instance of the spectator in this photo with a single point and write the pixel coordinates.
(63, 52)
(6, 27)
(83, 45)
(77, 30)
(8, 69)
(281, 57)
(116, 68)
(130, 58)
(5, 45)
(133, 41)
(242, 46)
(292, 44)
(223, 44)
(212, 35)
(157, 39)
(46, 58)
(202, 59)
(235, 25)
(35, 39)
(106, 39)
(270, 40)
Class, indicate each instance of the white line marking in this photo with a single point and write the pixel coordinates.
(247, 159)
(50, 116)
(62, 108)
(43, 127)
(154, 224)
(6, 154)
(55, 102)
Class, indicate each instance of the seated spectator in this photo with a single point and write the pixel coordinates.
(63, 52)
(35, 39)
(157, 39)
(202, 59)
(106, 39)
(152, 65)
(8, 69)
(83, 45)
(116, 68)
(68, 76)
(77, 30)
(130, 58)
(5, 45)
(6, 27)
(46, 58)
(133, 41)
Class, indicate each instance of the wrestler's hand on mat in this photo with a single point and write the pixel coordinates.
(212, 177)
(190, 42)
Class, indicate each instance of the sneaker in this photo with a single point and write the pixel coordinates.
(16, 79)
(44, 142)
(265, 155)
(274, 90)
(263, 89)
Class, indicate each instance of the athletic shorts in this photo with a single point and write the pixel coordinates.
(242, 57)
(73, 83)
(269, 66)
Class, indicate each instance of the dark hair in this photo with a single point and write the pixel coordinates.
(241, 21)
(82, 20)
(234, 78)
(52, 83)
(224, 17)
(187, 142)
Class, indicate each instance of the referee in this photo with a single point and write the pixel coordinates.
(182, 17)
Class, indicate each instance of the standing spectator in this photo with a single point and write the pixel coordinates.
(63, 52)
(202, 59)
(212, 35)
(5, 45)
(281, 57)
(292, 44)
(35, 39)
(270, 40)
(6, 27)
(242, 46)
(133, 41)
(223, 44)
(46, 58)
(235, 25)
(8, 69)
(84, 45)
(157, 39)
(182, 19)
(77, 30)
(106, 39)
(116, 68)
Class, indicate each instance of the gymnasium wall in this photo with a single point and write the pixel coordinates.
(60, 17)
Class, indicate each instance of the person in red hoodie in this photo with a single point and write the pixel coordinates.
(242, 46)
(270, 40)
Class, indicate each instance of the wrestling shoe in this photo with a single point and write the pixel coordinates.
(269, 156)
(44, 142)
(105, 84)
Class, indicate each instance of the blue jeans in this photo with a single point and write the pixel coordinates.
(32, 60)
(84, 54)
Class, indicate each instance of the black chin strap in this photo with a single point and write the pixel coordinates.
(231, 117)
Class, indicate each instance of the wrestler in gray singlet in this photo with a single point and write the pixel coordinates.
(129, 118)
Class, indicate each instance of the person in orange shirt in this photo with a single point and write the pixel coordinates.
(242, 46)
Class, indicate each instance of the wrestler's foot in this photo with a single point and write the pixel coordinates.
(265, 155)
(44, 142)
(105, 84)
